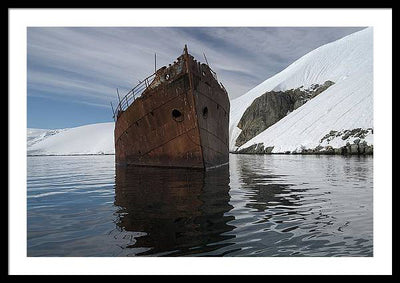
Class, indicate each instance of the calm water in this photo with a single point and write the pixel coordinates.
(272, 205)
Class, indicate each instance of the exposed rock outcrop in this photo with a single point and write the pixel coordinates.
(272, 106)
(358, 133)
(331, 143)
(256, 149)
(349, 149)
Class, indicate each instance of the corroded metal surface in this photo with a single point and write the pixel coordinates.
(180, 120)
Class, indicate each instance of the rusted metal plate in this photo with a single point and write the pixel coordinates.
(167, 125)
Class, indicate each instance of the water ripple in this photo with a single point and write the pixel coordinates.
(273, 205)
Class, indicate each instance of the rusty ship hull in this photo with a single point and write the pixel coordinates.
(180, 119)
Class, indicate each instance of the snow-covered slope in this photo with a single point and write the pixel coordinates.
(346, 105)
(37, 135)
(88, 139)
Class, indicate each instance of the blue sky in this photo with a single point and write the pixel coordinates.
(73, 72)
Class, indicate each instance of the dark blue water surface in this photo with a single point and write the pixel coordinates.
(259, 205)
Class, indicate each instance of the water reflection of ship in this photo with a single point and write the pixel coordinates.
(181, 211)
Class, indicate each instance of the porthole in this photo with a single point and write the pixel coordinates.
(205, 112)
(177, 115)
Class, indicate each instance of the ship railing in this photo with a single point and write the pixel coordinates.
(213, 73)
(132, 95)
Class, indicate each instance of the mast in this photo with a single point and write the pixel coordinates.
(206, 59)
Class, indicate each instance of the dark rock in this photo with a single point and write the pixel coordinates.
(255, 148)
(265, 111)
(259, 148)
(269, 149)
(272, 106)
(361, 147)
(249, 149)
(329, 150)
(369, 149)
(346, 135)
(338, 150)
(318, 148)
(328, 136)
(348, 148)
(354, 149)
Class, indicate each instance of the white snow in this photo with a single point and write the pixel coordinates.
(88, 139)
(346, 105)
(37, 135)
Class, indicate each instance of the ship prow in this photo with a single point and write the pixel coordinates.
(176, 117)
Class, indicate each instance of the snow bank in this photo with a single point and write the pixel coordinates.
(37, 135)
(88, 139)
(346, 105)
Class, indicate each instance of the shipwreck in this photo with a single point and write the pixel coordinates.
(176, 117)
